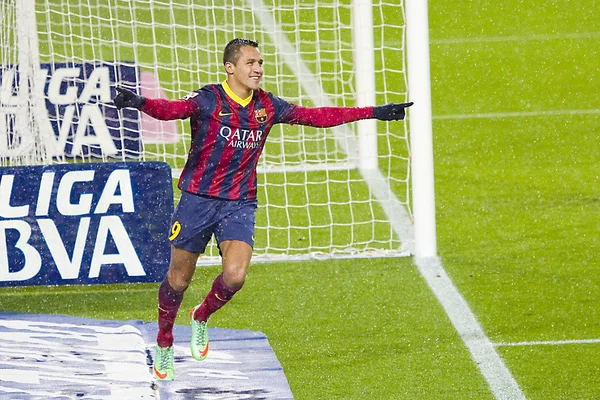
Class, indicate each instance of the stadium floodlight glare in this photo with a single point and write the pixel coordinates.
(324, 193)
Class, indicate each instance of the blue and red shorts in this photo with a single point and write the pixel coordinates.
(197, 218)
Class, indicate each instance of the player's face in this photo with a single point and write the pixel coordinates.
(248, 70)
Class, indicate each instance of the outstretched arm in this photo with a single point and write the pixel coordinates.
(162, 109)
(325, 117)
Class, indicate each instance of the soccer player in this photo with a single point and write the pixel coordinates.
(230, 123)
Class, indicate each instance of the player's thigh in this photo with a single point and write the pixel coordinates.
(235, 237)
(181, 268)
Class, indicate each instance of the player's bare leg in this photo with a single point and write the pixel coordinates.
(236, 257)
(170, 295)
(182, 268)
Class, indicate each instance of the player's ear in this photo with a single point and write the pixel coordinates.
(229, 68)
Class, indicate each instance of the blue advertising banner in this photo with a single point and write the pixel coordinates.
(84, 223)
(79, 110)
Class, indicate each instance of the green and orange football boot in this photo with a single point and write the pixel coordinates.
(199, 342)
(163, 364)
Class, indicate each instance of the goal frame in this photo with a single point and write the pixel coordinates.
(421, 130)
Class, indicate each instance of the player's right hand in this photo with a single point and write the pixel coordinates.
(126, 98)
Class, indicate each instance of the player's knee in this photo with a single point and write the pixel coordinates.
(234, 278)
(178, 283)
(179, 279)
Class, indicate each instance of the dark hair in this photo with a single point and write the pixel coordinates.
(232, 50)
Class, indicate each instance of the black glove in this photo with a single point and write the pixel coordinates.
(126, 98)
(391, 112)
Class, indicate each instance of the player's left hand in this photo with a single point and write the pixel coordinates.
(391, 112)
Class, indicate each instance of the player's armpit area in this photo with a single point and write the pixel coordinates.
(325, 117)
(165, 109)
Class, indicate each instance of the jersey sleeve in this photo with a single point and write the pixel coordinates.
(282, 109)
(323, 117)
(165, 110)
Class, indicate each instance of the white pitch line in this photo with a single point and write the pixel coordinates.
(518, 38)
(548, 343)
(491, 366)
(517, 114)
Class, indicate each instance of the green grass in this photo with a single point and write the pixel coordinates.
(517, 201)
(517, 197)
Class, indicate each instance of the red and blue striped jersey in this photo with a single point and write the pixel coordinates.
(229, 134)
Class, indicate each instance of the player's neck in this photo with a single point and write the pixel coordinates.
(238, 90)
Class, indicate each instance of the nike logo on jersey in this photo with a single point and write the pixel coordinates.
(222, 114)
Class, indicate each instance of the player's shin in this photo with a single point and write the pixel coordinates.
(218, 296)
(169, 301)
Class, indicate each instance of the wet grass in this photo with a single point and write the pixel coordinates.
(518, 219)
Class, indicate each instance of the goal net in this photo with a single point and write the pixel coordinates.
(340, 192)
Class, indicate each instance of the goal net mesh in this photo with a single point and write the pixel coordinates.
(61, 60)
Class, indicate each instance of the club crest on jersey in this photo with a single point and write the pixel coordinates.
(261, 115)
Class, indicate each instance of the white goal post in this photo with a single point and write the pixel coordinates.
(360, 190)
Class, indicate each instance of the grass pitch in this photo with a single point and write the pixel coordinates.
(516, 117)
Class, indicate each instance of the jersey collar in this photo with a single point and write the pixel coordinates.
(235, 97)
